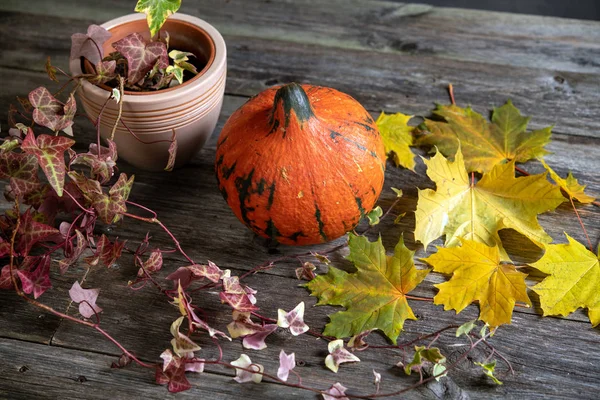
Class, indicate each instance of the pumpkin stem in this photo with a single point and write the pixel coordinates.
(290, 97)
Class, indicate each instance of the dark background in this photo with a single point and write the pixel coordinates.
(581, 9)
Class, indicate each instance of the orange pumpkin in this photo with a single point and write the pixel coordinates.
(300, 164)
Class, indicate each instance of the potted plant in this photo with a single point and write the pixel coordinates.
(165, 101)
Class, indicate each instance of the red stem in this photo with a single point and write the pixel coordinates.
(451, 93)
(582, 225)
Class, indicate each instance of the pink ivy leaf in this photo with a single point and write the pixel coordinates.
(38, 280)
(236, 295)
(242, 325)
(30, 232)
(50, 112)
(5, 278)
(197, 365)
(286, 364)
(306, 271)
(187, 275)
(89, 45)
(4, 247)
(152, 264)
(174, 376)
(109, 207)
(199, 323)
(49, 151)
(256, 341)
(338, 355)
(172, 153)
(86, 299)
(105, 72)
(242, 376)
(293, 320)
(140, 56)
(336, 392)
(21, 169)
(73, 253)
(168, 359)
(123, 361)
(102, 162)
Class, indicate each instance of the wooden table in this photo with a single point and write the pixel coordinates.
(388, 55)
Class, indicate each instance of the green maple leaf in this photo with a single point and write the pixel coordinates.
(374, 295)
(485, 144)
(157, 12)
(397, 138)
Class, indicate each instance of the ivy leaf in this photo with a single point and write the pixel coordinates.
(89, 45)
(336, 392)
(177, 72)
(74, 253)
(140, 56)
(172, 153)
(374, 295)
(570, 185)
(49, 151)
(106, 252)
(51, 70)
(293, 320)
(459, 209)
(485, 144)
(38, 280)
(105, 72)
(101, 160)
(152, 264)
(5, 277)
(157, 12)
(422, 354)
(286, 364)
(86, 299)
(466, 328)
(256, 341)
(573, 281)
(21, 169)
(338, 355)
(488, 369)
(182, 345)
(374, 215)
(191, 273)
(50, 112)
(236, 295)
(242, 376)
(477, 274)
(397, 138)
(306, 271)
(30, 232)
(172, 373)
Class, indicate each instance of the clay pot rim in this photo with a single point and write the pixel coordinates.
(216, 60)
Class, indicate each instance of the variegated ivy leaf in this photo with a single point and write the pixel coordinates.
(338, 355)
(140, 56)
(256, 341)
(179, 56)
(50, 112)
(182, 345)
(86, 299)
(105, 72)
(336, 392)
(157, 12)
(21, 169)
(37, 280)
(73, 252)
(106, 252)
(30, 232)
(177, 72)
(236, 295)
(241, 375)
(89, 45)
(293, 320)
(152, 264)
(102, 161)
(108, 207)
(172, 373)
(195, 272)
(49, 151)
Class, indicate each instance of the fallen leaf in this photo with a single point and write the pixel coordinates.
(573, 281)
(397, 137)
(484, 144)
(374, 295)
(477, 274)
(459, 209)
(570, 185)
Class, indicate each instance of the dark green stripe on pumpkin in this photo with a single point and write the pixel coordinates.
(334, 135)
(272, 230)
(294, 236)
(271, 196)
(320, 223)
(360, 206)
(227, 171)
(243, 187)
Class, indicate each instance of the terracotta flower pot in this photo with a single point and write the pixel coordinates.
(191, 109)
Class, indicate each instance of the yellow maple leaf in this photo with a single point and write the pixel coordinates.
(570, 185)
(477, 274)
(574, 280)
(485, 144)
(397, 137)
(461, 209)
(374, 295)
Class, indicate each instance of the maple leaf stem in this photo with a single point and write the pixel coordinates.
(521, 171)
(418, 298)
(451, 93)
(591, 247)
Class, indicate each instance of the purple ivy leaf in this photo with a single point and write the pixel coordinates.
(105, 72)
(38, 280)
(152, 264)
(191, 273)
(256, 341)
(72, 253)
(106, 252)
(140, 56)
(336, 392)
(86, 299)
(338, 355)
(101, 162)
(293, 320)
(195, 366)
(21, 169)
(286, 364)
(306, 271)
(236, 295)
(173, 375)
(30, 232)
(199, 323)
(89, 45)
(242, 376)
(50, 112)
(5, 278)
